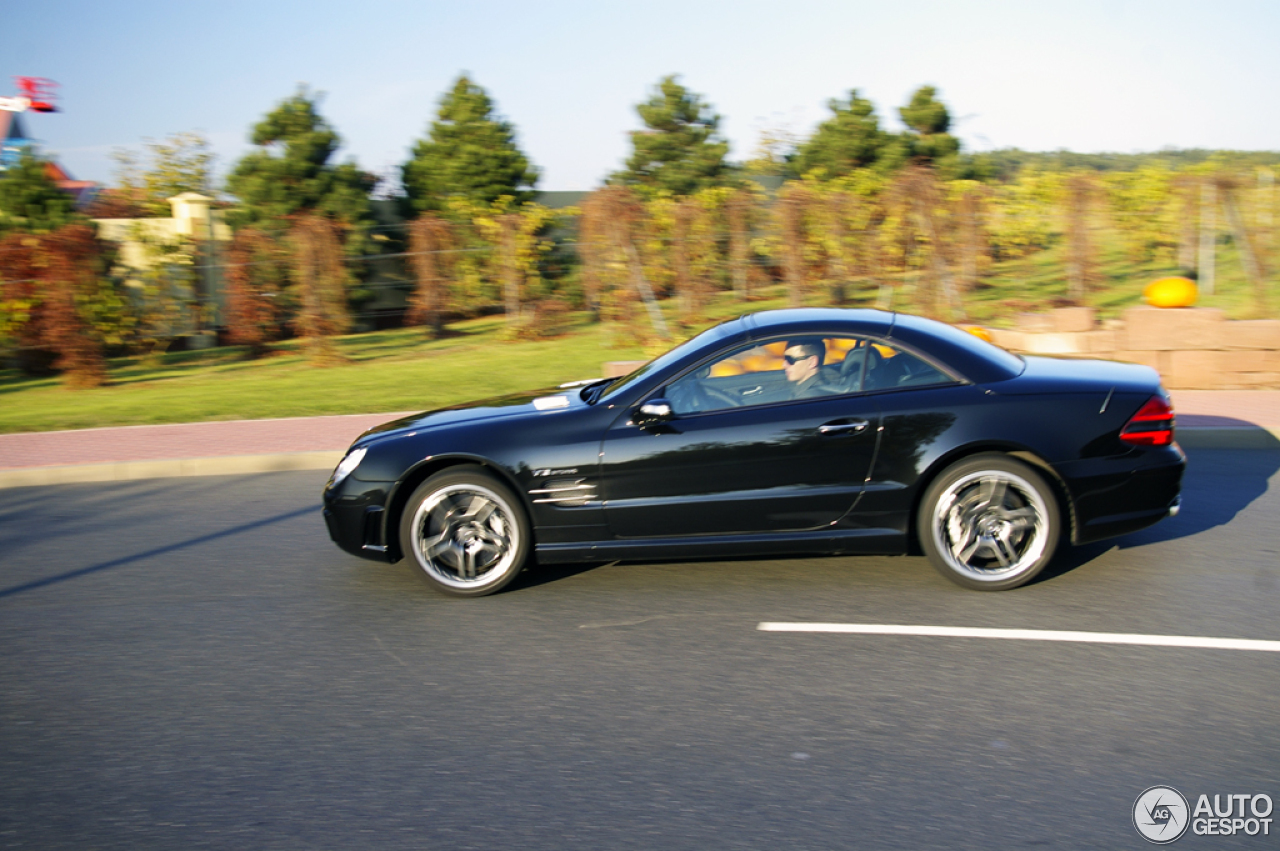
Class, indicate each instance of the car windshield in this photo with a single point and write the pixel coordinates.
(596, 392)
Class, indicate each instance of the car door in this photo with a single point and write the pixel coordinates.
(920, 405)
(743, 457)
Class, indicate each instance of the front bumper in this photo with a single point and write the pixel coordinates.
(355, 515)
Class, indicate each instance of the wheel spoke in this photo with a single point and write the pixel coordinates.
(493, 540)
(442, 515)
(992, 491)
(965, 554)
(964, 540)
(1022, 518)
(479, 509)
(468, 563)
(1005, 552)
(437, 545)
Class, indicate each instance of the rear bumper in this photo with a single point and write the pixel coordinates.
(1108, 504)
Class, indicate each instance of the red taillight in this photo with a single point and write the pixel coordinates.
(1152, 425)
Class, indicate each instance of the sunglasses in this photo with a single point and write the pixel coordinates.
(794, 359)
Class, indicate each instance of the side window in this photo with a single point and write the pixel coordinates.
(774, 371)
(892, 368)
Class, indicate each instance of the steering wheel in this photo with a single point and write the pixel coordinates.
(684, 397)
(693, 396)
(714, 395)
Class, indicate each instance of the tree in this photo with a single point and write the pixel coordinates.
(850, 139)
(319, 277)
(256, 291)
(1024, 213)
(469, 152)
(182, 163)
(743, 211)
(1079, 198)
(518, 246)
(928, 121)
(30, 201)
(290, 173)
(612, 220)
(680, 150)
(430, 245)
(46, 282)
(1142, 210)
(792, 213)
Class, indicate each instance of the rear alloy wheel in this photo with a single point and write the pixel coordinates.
(989, 522)
(465, 532)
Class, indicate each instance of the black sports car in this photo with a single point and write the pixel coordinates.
(789, 431)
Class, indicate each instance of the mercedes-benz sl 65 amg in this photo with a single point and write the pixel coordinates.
(791, 431)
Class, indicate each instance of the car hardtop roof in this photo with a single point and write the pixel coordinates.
(814, 319)
(974, 359)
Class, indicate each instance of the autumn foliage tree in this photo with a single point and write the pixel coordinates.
(257, 287)
(319, 275)
(46, 279)
(742, 214)
(1079, 200)
(612, 220)
(430, 250)
(791, 213)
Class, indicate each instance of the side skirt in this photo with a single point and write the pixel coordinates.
(842, 542)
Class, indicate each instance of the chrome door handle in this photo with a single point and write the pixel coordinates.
(846, 427)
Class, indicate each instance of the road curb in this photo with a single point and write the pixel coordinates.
(1199, 437)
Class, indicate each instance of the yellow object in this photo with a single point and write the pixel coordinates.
(1171, 292)
(979, 332)
(727, 368)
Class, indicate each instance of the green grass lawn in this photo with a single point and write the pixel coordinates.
(401, 370)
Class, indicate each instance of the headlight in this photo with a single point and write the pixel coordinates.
(347, 465)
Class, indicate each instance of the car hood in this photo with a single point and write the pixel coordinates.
(526, 404)
(1069, 375)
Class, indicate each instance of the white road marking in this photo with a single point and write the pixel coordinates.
(1028, 635)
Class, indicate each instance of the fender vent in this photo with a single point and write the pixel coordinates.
(566, 492)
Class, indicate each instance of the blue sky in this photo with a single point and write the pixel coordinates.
(1086, 75)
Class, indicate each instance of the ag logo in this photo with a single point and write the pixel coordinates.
(1161, 815)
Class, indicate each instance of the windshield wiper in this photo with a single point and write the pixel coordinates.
(592, 391)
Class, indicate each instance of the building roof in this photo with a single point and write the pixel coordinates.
(11, 126)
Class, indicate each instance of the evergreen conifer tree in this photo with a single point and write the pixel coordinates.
(680, 150)
(30, 201)
(469, 152)
(290, 173)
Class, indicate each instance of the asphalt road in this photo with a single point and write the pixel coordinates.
(189, 663)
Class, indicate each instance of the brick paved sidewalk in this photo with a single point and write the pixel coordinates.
(184, 440)
(1205, 417)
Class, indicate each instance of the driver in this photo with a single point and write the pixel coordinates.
(803, 359)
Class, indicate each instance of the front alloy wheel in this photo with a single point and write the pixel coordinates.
(465, 532)
(989, 522)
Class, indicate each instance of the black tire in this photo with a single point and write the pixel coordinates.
(465, 533)
(989, 523)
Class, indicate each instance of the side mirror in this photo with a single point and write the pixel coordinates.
(653, 412)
